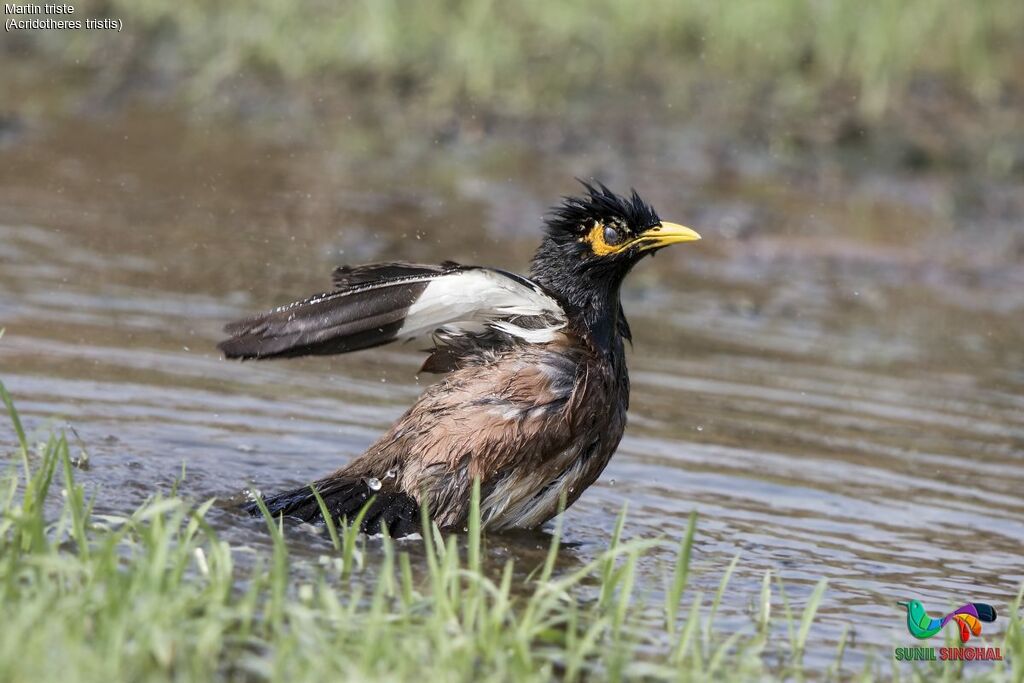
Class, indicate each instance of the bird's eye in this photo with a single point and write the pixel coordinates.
(611, 235)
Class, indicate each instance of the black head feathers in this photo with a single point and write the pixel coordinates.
(575, 216)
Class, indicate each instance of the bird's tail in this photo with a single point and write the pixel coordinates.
(346, 498)
(969, 617)
(968, 624)
(986, 613)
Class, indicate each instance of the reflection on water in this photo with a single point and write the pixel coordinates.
(834, 378)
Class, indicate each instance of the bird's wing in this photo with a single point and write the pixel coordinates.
(380, 303)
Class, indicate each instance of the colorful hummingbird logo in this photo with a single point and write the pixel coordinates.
(968, 617)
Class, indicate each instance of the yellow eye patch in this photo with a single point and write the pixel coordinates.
(655, 237)
(599, 245)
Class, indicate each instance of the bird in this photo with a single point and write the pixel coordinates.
(968, 618)
(535, 388)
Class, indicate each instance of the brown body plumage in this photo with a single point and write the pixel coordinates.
(536, 422)
(534, 402)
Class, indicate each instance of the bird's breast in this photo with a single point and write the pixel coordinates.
(584, 396)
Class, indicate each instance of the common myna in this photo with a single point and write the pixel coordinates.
(534, 399)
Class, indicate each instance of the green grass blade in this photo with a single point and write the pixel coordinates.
(813, 602)
(332, 528)
(681, 575)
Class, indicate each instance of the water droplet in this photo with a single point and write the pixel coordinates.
(391, 474)
(700, 428)
(373, 483)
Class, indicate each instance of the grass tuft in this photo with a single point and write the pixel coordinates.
(155, 595)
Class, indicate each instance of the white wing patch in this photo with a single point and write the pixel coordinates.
(465, 299)
(538, 335)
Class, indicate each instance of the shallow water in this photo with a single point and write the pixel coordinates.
(833, 378)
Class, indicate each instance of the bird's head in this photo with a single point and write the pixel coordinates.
(914, 609)
(596, 238)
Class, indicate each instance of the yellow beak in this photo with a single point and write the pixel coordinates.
(664, 234)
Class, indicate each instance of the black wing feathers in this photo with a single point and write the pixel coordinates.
(366, 309)
(378, 303)
(348, 277)
(330, 323)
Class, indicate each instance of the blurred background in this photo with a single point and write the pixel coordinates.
(833, 377)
